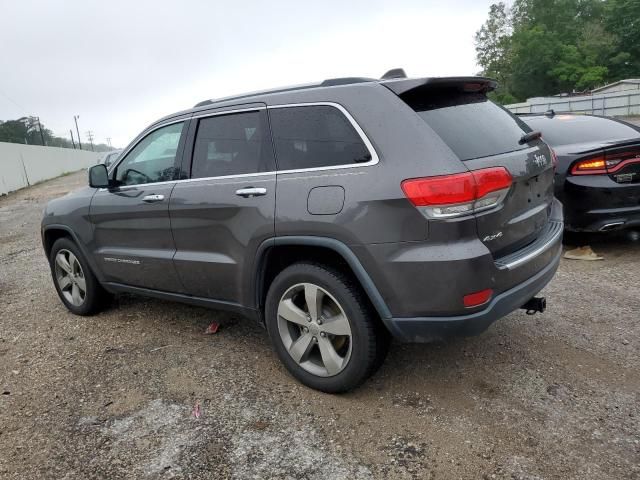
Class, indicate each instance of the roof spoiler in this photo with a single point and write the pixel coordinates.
(466, 84)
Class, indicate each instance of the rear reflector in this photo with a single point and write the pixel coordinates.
(477, 298)
(458, 194)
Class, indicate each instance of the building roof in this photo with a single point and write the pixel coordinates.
(631, 81)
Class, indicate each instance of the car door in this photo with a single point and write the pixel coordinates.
(226, 210)
(132, 232)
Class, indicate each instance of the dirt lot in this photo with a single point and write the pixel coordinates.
(555, 396)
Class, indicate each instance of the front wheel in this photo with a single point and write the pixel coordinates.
(323, 328)
(75, 283)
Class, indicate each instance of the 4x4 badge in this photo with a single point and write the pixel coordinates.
(488, 238)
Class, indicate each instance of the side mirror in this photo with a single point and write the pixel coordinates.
(98, 176)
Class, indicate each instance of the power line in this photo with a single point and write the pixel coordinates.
(12, 101)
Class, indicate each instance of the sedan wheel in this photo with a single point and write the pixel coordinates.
(314, 329)
(70, 277)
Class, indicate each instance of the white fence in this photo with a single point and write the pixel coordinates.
(615, 104)
(24, 165)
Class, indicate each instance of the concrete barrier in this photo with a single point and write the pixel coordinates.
(24, 165)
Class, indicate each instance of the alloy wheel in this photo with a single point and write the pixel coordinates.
(70, 277)
(314, 329)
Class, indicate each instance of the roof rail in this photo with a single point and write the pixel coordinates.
(331, 82)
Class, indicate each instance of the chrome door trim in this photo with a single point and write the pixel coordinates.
(225, 112)
(375, 159)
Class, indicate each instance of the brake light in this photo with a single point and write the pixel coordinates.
(607, 164)
(459, 194)
(477, 298)
(592, 166)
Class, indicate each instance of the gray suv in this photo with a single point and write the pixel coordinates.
(338, 215)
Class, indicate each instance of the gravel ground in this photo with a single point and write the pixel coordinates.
(553, 396)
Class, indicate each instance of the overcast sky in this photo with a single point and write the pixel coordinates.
(122, 64)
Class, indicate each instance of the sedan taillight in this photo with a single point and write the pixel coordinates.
(605, 164)
(459, 194)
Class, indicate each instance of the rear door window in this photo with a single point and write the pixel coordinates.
(232, 144)
(315, 136)
(469, 123)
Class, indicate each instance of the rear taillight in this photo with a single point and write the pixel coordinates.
(592, 166)
(554, 159)
(605, 164)
(459, 194)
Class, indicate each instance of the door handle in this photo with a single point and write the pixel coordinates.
(251, 192)
(153, 198)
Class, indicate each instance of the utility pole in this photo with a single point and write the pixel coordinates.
(90, 137)
(75, 119)
(40, 128)
(109, 141)
(74, 143)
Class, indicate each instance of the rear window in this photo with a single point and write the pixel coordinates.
(315, 136)
(469, 123)
(570, 129)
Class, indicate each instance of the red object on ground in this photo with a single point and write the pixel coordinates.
(211, 329)
(196, 410)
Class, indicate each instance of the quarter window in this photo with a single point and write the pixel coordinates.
(153, 159)
(315, 136)
(231, 144)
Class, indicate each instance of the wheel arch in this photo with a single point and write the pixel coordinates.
(311, 248)
(51, 233)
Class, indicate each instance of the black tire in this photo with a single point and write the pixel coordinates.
(95, 297)
(369, 339)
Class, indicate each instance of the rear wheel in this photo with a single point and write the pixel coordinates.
(323, 328)
(76, 285)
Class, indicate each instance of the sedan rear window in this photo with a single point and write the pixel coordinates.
(469, 123)
(570, 129)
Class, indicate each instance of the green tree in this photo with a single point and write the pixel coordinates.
(622, 18)
(544, 47)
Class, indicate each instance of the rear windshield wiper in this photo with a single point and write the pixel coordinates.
(529, 137)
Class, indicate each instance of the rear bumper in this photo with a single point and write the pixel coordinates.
(425, 329)
(604, 219)
(594, 203)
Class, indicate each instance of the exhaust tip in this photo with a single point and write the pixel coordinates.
(611, 226)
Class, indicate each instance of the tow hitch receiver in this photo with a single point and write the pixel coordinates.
(535, 305)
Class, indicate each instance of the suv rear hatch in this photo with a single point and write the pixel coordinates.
(484, 135)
